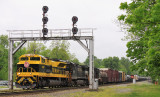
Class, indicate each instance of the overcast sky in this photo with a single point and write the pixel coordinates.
(100, 14)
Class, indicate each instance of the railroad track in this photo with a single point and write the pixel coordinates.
(37, 91)
(48, 90)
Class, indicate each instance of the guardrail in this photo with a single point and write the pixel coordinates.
(51, 33)
(5, 83)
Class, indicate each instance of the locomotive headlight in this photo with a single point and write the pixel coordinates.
(30, 73)
(19, 73)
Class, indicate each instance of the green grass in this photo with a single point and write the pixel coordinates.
(6, 86)
(141, 89)
(3, 86)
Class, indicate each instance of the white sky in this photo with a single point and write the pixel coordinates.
(100, 14)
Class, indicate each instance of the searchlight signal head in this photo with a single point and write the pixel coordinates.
(74, 20)
(45, 31)
(45, 20)
(45, 9)
(74, 30)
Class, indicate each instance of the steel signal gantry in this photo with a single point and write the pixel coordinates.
(53, 34)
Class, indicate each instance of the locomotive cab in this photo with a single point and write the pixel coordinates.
(27, 70)
(35, 62)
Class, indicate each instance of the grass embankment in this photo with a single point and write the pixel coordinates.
(6, 87)
(140, 89)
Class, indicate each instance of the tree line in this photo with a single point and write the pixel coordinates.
(121, 64)
(58, 50)
(142, 23)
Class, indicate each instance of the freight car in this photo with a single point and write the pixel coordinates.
(108, 75)
(103, 76)
(123, 76)
(128, 78)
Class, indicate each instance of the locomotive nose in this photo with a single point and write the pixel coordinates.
(26, 64)
(26, 81)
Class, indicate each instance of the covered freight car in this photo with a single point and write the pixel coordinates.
(103, 76)
(108, 75)
(123, 76)
(120, 76)
(116, 76)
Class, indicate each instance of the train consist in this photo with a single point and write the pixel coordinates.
(36, 71)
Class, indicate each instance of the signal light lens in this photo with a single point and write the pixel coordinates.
(74, 19)
(74, 30)
(45, 9)
(45, 20)
(44, 31)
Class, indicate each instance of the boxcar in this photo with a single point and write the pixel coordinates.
(109, 72)
(116, 76)
(120, 76)
(103, 76)
(123, 76)
(113, 76)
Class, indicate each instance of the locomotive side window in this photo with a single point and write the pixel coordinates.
(43, 60)
(24, 58)
(61, 65)
(35, 58)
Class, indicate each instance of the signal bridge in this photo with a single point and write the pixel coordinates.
(53, 34)
(83, 33)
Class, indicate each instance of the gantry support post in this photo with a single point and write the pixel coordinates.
(10, 65)
(11, 52)
(91, 63)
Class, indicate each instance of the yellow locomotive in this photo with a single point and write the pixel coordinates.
(38, 71)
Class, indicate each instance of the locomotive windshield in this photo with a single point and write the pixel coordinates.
(35, 58)
(24, 58)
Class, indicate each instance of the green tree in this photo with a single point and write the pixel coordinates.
(97, 62)
(111, 62)
(143, 26)
(35, 47)
(4, 57)
(75, 60)
(125, 65)
(60, 50)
